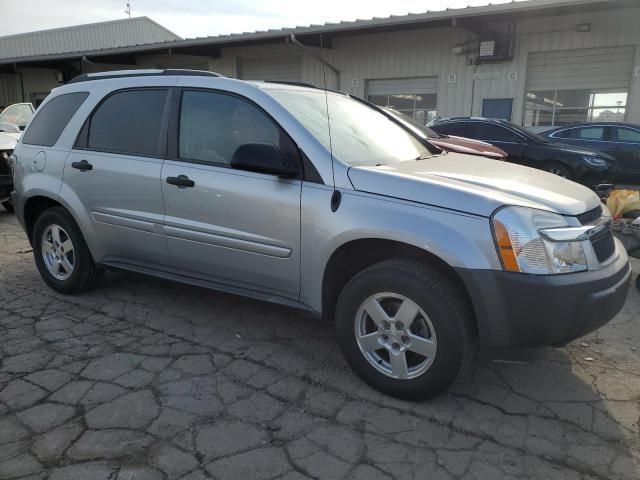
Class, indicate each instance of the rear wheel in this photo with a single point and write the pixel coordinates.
(560, 170)
(404, 328)
(61, 254)
(8, 206)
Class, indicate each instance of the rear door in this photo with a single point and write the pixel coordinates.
(114, 170)
(229, 226)
(500, 136)
(625, 146)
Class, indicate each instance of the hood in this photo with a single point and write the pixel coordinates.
(474, 185)
(8, 140)
(469, 146)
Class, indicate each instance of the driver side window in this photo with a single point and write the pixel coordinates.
(213, 125)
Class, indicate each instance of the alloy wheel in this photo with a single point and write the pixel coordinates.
(395, 335)
(57, 252)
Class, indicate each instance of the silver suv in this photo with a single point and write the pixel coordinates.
(316, 200)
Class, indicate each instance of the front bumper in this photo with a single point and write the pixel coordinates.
(520, 310)
(6, 185)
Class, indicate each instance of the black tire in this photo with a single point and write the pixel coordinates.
(560, 170)
(446, 308)
(8, 206)
(85, 273)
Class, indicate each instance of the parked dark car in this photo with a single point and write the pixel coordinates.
(446, 142)
(582, 165)
(620, 140)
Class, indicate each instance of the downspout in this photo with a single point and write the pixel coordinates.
(15, 70)
(320, 58)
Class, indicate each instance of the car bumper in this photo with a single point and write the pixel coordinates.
(6, 185)
(519, 310)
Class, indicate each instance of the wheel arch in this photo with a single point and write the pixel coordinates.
(363, 252)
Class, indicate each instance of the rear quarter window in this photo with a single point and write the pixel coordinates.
(50, 120)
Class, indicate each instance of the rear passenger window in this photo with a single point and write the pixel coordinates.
(50, 120)
(128, 122)
(590, 133)
(214, 125)
(489, 132)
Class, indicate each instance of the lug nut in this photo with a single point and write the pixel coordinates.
(405, 339)
(384, 338)
(396, 346)
(386, 325)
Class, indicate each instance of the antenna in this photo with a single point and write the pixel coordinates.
(336, 196)
(128, 9)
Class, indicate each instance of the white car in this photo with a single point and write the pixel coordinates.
(13, 120)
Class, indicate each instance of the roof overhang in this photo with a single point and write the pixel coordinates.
(211, 46)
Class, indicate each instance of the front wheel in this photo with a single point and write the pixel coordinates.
(8, 206)
(61, 254)
(559, 170)
(404, 329)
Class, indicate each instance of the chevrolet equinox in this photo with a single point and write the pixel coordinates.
(313, 199)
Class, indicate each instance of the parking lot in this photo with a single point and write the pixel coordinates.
(147, 379)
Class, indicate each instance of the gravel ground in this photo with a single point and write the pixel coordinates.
(147, 379)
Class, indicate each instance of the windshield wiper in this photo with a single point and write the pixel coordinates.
(423, 157)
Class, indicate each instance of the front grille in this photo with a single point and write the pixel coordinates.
(590, 216)
(603, 245)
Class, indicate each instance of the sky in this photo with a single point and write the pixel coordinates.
(199, 18)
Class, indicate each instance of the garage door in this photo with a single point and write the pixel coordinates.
(416, 97)
(286, 69)
(589, 68)
(571, 86)
(9, 89)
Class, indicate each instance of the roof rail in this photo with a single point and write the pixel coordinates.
(287, 82)
(86, 77)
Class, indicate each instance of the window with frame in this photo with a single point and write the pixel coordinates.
(128, 122)
(566, 107)
(213, 125)
(628, 135)
(421, 107)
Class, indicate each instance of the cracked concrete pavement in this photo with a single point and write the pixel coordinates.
(147, 379)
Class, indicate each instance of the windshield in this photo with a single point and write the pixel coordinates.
(19, 115)
(426, 131)
(359, 134)
(526, 132)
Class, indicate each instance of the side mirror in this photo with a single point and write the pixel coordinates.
(9, 128)
(261, 157)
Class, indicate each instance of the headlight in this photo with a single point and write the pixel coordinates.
(522, 248)
(594, 161)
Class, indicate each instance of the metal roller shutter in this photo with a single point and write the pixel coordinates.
(9, 89)
(288, 69)
(602, 68)
(426, 85)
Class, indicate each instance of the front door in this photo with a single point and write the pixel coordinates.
(114, 172)
(230, 226)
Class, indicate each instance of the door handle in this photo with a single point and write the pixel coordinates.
(182, 181)
(82, 165)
